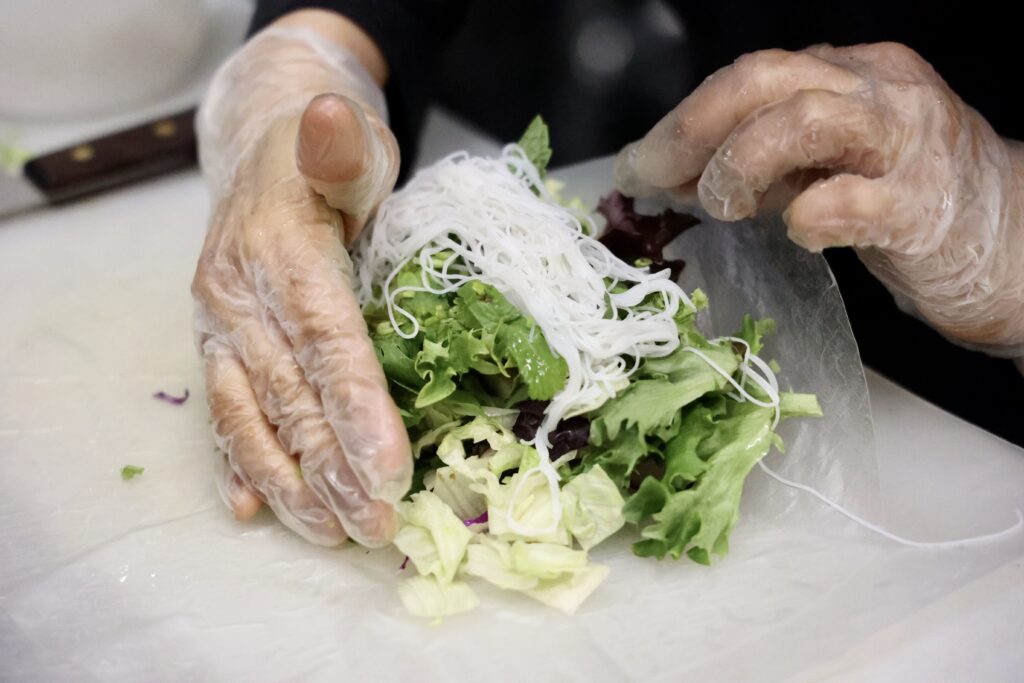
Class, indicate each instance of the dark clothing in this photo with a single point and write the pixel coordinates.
(602, 72)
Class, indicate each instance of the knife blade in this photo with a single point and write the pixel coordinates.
(103, 163)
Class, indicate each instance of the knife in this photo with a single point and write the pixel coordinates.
(106, 162)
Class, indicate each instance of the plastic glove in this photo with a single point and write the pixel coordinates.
(871, 149)
(299, 401)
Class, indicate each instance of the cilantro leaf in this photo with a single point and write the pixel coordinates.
(543, 371)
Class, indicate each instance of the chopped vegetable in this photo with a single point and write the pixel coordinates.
(426, 596)
(640, 239)
(480, 519)
(12, 157)
(568, 435)
(131, 471)
(174, 400)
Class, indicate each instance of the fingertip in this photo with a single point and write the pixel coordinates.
(843, 210)
(626, 178)
(369, 522)
(380, 527)
(394, 490)
(349, 156)
(805, 222)
(331, 143)
(244, 503)
(236, 494)
(724, 193)
(257, 459)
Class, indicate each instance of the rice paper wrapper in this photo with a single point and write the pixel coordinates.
(152, 579)
(752, 268)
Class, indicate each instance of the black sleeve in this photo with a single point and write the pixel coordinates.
(412, 35)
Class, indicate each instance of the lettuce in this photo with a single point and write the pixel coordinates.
(668, 454)
(682, 441)
(592, 506)
(491, 560)
(432, 536)
(425, 596)
(568, 592)
(697, 520)
(552, 574)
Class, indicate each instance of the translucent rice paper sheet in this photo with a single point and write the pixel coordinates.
(153, 580)
(752, 268)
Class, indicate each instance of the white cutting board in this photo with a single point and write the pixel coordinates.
(152, 579)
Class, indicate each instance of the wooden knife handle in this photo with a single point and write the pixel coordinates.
(153, 148)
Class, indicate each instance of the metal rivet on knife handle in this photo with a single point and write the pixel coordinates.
(165, 128)
(82, 153)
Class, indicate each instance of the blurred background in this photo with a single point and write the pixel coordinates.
(601, 72)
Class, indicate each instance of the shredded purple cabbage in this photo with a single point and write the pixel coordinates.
(568, 435)
(476, 520)
(174, 400)
(632, 236)
(404, 563)
(531, 414)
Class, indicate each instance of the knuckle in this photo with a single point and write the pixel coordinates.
(812, 108)
(754, 63)
(898, 53)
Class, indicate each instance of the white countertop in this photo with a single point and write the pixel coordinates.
(95, 315)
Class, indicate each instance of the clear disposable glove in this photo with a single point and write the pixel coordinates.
(869, 148)
(299, 402)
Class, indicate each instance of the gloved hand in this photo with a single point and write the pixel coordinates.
(299, 401)
(871, 149)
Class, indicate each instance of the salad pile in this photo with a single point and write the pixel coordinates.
(529, 454)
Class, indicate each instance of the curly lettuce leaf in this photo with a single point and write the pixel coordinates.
(698, 520)
(671, 383)
(474, 351)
